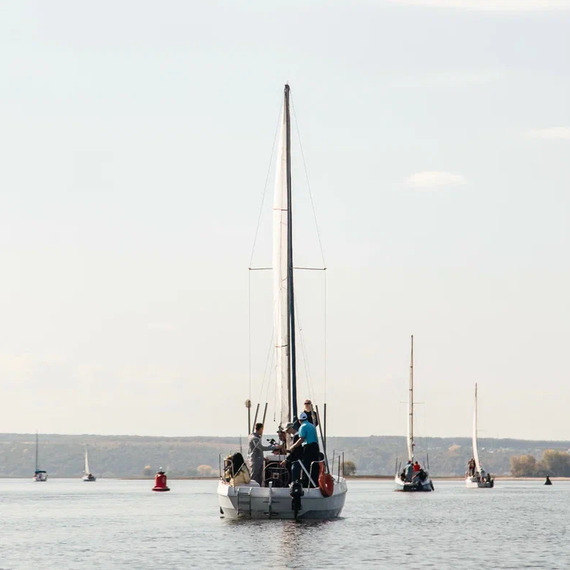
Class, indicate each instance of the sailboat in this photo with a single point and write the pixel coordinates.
(412, 477)
(88, 475)
(477, 477)
(277, 497)
(39, 475)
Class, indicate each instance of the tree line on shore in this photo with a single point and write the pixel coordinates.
(554, 463)
(140, 456)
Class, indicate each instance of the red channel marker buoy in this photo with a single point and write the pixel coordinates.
(160, 481)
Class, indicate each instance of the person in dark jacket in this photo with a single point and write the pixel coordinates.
(308, 441)
(292, 460)
(311, 414)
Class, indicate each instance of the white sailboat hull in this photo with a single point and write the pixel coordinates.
(276, 503)
(409, 486)
(476, 483)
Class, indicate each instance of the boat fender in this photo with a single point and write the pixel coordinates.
(326, 482)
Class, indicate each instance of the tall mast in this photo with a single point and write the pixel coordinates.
(290, 288)
(475, 450)
(411, 406)
(37, 464)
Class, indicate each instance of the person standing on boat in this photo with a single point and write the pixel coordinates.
(471, 466)
(311, 414)
(292, 460)
(255, 453)
(308, 441)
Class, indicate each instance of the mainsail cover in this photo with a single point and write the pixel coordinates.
(475, 450)
(280, 274)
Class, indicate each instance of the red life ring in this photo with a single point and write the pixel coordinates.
(326, 482)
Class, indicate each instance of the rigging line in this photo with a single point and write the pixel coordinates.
(249, 332)
(325, 334)
(296, 268)
(265, 187)
(308, 183)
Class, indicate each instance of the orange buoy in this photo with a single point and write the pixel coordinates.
(160, 481)
(326, 482)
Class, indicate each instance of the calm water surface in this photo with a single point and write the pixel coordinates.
(121, 524)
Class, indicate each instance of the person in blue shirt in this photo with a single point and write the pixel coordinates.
(310, 446)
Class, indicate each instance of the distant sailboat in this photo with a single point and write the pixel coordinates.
(476, 477)
(39, 475)
(88, 475)
(412, 477)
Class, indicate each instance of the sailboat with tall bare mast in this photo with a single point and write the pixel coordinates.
(476, 477)
(277, 497)
(412, 477)
(39, 474)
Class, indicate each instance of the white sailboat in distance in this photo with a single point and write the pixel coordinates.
(412, 476)
(476, 477)
(88, 477)
(277, 497)
(39, 475)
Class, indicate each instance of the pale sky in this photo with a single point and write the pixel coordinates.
(135, 141)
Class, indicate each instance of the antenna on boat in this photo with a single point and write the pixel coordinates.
(248, 406)
(264, 414)
(325, 426)
(322, 438)
(255, 417)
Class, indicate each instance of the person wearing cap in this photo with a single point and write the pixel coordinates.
(309, 443)
(311, 414)
(292, 459)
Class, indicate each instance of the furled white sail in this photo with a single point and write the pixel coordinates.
(280, 274)
(411, 406)
(475, 450)
(86, 463)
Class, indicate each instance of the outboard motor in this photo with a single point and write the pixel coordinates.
(296, 494)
